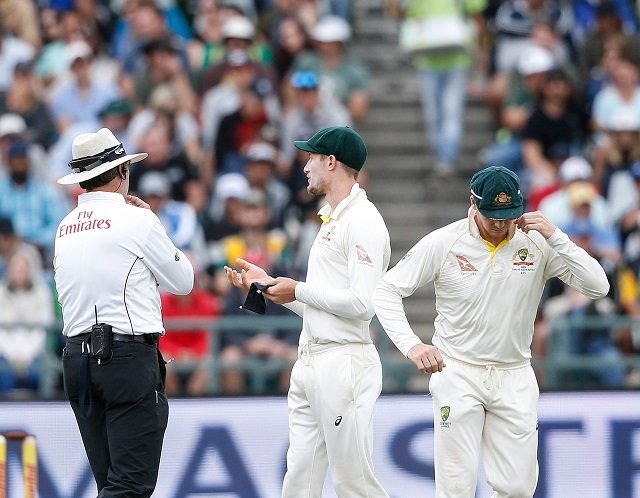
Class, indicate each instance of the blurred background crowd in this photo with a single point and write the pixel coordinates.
(216, 91)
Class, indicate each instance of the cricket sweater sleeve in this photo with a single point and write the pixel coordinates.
(296, 306)
(172, 269)
(364, 270)
(418, 267)
(575, 267)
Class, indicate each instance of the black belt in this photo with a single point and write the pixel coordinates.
(143, 338)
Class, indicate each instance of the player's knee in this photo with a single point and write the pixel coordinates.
(517, 490)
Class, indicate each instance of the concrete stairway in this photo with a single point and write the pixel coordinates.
(412, 200)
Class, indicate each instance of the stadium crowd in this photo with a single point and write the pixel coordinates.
(216, 91)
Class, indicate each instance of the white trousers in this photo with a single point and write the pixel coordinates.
(488, 408)
(331, 399)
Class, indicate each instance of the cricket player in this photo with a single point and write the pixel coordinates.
(338, 376)
(489, 271)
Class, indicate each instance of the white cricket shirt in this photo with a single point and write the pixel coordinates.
(349, 255)
(117, 257)
(486, 297)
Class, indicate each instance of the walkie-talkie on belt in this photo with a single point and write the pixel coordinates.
(101, 340)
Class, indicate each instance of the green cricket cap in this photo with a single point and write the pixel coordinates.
(340, 141)
(496, 191)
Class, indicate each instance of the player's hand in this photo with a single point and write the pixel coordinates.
(247, 274)
(282, 290)
(427, 358)
(535, 220)
(137, 202)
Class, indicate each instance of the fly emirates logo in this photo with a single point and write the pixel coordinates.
(85, 222)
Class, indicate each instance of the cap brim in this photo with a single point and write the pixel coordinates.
(304, 145)
(83, 176)
(502, 214)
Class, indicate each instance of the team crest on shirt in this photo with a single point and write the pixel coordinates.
(363, 257)
(465, 265)
(445, 411)
(523, 261)
(326, 237)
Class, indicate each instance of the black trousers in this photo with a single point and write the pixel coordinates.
(124, 430)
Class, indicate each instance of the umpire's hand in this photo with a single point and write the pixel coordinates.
(427, 358)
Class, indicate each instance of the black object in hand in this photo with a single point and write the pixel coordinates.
(255, 300)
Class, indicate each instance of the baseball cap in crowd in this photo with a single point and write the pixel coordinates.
(535, 59)
(341, 141)
(331, 29)
(581, 192)
(154, 183)
(304, 79)
(496, 191)
(77, 49)
(262, 152)
(238, 27)
(232, 186)
(12, 124)
(119, 107)
(575, 168)
(94, 153)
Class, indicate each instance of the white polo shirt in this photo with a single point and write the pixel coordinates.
(349, 255)
(117, 257)
(486, 296)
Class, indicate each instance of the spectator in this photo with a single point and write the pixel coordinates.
(21, 19)
(11, 243)
(185, 344)
(443, 77)
(259, 245)
(623, 93)
(178, 218)
(557, 206)
(24, 98)
(34, 206)
(310, 111)
(341, 75)
(12, 129)
(12, 51)
(26, 312)
(166, 156)
(164, 102)
(116, 116)
(556, 121)
(619, 148)
(291, 40)
(82, 97)
(239, 129)
(533, 68)
(261, 171)
(227, 207)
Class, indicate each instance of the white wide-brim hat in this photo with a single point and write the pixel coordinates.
(94, 153)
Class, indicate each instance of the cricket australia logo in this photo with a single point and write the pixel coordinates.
(502, 199)
(523, 260)
(445, 411)
(326, 238)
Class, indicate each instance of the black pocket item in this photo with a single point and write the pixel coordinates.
(255, 300)
(101, 341)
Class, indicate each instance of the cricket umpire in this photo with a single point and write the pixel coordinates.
(489, 272)
(338, 376)
(112, 256)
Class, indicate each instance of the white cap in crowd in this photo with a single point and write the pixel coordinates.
(575, 168)
(12, 124)
(238, 27)
(535, 59)
(332, 29)
(232, 186)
